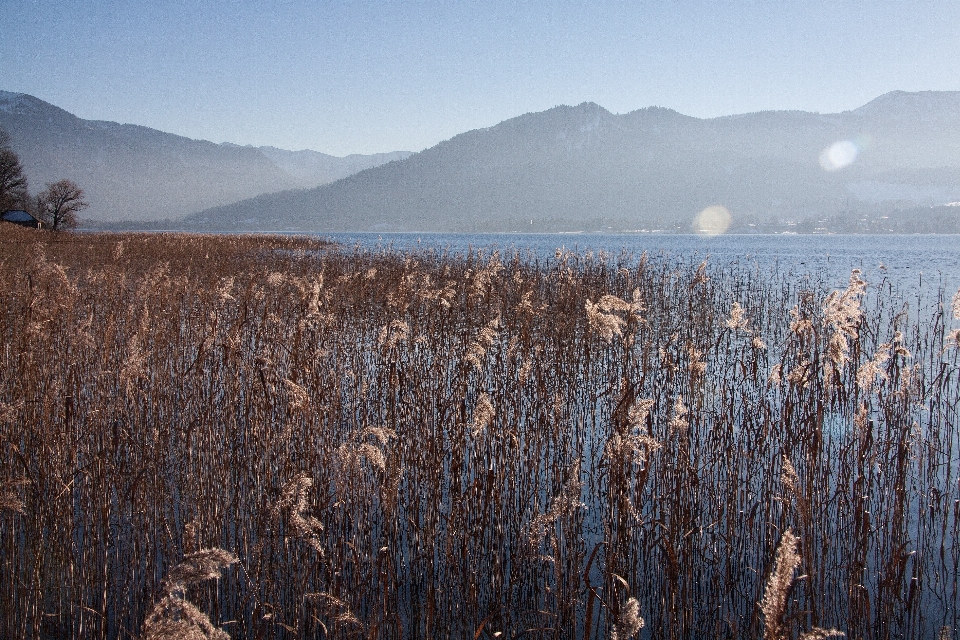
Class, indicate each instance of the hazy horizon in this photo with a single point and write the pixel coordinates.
(377, 77)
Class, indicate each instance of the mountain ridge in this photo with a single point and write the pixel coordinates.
(577, 167)
(133, 172)
(582, 167)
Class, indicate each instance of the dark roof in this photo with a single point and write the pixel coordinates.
(17, 215)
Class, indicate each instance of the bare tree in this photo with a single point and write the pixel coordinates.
(59, 203)
(13, 184)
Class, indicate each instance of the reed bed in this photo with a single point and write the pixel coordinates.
(266, 437)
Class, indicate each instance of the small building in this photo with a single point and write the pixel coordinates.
(20, 217)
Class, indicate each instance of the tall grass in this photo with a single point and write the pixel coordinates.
(479, 446)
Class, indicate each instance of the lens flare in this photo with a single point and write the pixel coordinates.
(839, 155)
(712, 221)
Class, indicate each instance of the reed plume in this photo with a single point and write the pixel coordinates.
(873, 369)
(609, 315)
(628, 622)
(393, 334)
(205, 564)
(630, 446)
(298, 398)
(777, 590)
(562, 505)
(821, 634)
(483, 279)
(789, 477)
(483, 415)
(678, 419)
(357, 449)
(608, 325)
(477, 350)
(294, 503)
(9, 499)
(779, 583)
(176, 618)
(700, 277)
(338, 610)
(800, 324)
(738, 320)
(842, 314)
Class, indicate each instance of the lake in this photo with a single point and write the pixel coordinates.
(907, 261)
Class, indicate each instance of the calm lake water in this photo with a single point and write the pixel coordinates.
(911, 262)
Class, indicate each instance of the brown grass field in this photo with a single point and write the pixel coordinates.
(275, 437)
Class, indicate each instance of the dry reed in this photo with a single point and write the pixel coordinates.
(423, 445)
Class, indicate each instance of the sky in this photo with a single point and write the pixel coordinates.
(367, 77)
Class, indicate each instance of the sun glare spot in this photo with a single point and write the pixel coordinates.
(712, 221)
(839, 155)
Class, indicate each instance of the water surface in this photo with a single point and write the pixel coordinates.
(908, 261)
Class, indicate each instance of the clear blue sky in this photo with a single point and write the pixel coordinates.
(362, 77)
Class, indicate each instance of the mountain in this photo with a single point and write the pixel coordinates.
(130, 172)
(312, 168)
(584, 168)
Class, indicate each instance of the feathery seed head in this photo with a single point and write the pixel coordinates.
(776, 375)
(789, 477)
(477, 350)
(190, 537)
(696, 364)
(821, 634)
(842, 313)
(738, 319)
(799, 325)
(175, 618)
(382, 435)
(609, 325)
(800, 374)
(953, 339)
(225, 290)
(483, 415)
(869, 371)
(898, 348)
(298, 398)
(562, 505)
(393, 334)
(774, 602)
(679, 422)
(628, 622)
(9, 500)
(295, 503)
(701, 276)
(338, 609)
(637, 416)
(373, 455)
(198, 566)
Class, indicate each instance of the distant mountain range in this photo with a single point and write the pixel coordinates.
(584, 168)
(135, 173)
(312, 168)
(890, 165)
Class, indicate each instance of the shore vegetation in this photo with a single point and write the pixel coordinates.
(275, 437)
